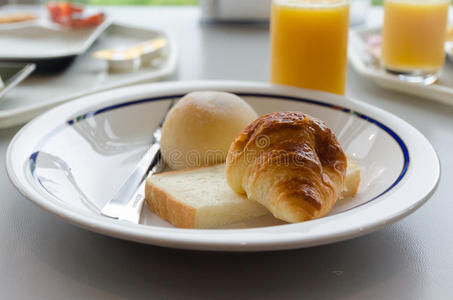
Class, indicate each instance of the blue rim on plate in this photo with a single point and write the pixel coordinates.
(34, 156)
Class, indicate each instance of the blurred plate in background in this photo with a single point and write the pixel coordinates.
(87, 75)
(44, 43)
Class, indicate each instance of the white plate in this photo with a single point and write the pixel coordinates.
(364, 64)
(86, 75)
(42, 39)
(72, 159)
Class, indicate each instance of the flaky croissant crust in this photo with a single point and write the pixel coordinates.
(291, 163)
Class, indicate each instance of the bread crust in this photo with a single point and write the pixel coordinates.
(167, 207)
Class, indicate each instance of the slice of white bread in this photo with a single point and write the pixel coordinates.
(352, 181)
(201, 197)
(198, 198)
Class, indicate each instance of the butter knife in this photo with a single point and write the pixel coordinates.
(128, 202)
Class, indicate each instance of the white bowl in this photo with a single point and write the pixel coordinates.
(72, 159)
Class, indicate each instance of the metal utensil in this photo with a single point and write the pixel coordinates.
(12, 74)
(128, 201)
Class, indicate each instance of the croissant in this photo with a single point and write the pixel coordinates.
(289, 162)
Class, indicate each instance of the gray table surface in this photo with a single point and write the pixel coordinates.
(42, 257)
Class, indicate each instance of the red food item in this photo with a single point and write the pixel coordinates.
(70, 15)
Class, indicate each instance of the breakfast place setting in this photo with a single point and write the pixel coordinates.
(175, 149)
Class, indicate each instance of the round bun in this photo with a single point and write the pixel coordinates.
(200, 128)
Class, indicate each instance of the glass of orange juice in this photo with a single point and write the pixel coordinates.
(309, 40)
(413, 38)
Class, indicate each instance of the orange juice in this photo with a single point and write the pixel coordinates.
(309, 41)
(414, 34)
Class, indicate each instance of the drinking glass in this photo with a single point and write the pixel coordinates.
(413, 38)
(309, 40)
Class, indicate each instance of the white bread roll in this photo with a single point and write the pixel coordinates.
(200, 128)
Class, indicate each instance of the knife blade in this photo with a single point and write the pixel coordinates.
(128, 201)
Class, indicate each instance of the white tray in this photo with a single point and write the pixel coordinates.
(86, 75)
(366, 65)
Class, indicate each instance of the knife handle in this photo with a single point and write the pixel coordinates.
(124, 199)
